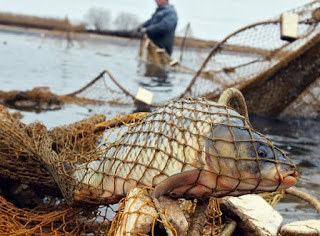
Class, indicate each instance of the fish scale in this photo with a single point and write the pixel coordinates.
(177, 143)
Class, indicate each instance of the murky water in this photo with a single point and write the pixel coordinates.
(28, 59)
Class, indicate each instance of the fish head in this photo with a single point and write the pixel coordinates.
(246, 162)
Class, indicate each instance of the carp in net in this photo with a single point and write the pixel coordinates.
(189, 149)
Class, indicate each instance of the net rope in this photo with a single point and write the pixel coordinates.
(253, 59)
(75, 193)
(253, 54)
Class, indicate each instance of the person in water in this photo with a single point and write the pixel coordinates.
(162, 25)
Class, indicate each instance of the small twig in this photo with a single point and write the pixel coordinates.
(305, 196)
(231, 225)
(160, 210)
(198, 219)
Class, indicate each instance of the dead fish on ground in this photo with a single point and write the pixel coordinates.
(188, 148)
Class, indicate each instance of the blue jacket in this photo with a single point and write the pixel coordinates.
(161, 27)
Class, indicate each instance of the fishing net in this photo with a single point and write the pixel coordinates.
(188, 54)
(19, 146)
(307, 104)
(138, 215)
(255, 60)
(61, 219)
(104, 88)
(70, 166)
(26, 181)
(190, 51)
(39, 98)
(55, 218)
(154, 54)
(17, 153)
(181, 127)
(264, 67)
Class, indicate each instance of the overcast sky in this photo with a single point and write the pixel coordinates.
(210, 19)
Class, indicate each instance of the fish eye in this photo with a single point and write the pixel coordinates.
(262, 152)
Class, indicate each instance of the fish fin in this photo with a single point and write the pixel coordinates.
(176, 181)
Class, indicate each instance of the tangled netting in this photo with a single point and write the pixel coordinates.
(41, 98)
(263, 66)
(26, 181)
(255, 60)
(68, 180)
(139, 207)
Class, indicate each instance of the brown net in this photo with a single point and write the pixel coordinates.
(189, 148)
(135, 209)
(39, 98)
(214, 223)
(263, 66)
(154, 54)
(101, 90)
(187, 56)
(28, 183)
(201, 139)
(18, 154)
(19, 146)
(257, 61)
(138, 215)
(105, 89)
(55, 218)
(254, 59)
(273, 198)
(307, 104)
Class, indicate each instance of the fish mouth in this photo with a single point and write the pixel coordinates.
(287, 179)
(280, 181)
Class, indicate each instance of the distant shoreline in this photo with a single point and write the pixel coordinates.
(123, 35)
(56, 32)
(47, 25)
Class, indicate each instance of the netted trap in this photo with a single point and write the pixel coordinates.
(154, 54)
(260, 63)
(39, 98)
(56, 218)
(40, 208)
(265, 67)
(307, 103)
(139, 214)
(188, 149)
(156, 149)
(256, 59)
(188, 54)
(104, 89)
